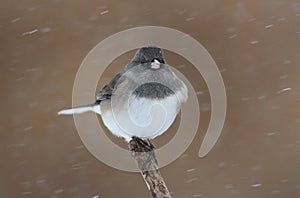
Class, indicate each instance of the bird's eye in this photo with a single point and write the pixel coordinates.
(157, 59)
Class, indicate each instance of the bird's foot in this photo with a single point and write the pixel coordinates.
(139, 145)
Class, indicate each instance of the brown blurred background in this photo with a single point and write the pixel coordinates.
(255, 44)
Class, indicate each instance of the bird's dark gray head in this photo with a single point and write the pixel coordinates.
(148, 55)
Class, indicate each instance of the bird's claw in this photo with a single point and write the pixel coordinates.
(139, 145)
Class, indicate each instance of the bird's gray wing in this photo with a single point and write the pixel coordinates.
(107, 91)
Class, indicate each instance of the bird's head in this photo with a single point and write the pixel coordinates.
(150, 55)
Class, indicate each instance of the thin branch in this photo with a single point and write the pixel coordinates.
(143, 153)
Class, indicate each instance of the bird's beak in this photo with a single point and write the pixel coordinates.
(155, 64)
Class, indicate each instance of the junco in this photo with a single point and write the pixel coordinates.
(142, 101)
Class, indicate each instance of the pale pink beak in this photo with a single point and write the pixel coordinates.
(155, 64)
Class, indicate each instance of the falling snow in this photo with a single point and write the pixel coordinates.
(59, 191)
(46, 29)
(104, 12)
(28, 128)
(269, 26)
(257, 185)
(253, 42)
(281, 19)
(275, 192)
(198, 195)
(199, 93)
(191, 180)
(287, 62)
(190, 19)
(30, 32)
(261, 97)
(252, 19)
(222, 164)
(190, 170)
(232, 36)
(271, 133)
(180, 66)
(15, 20)
(284, 90)
(26, 193)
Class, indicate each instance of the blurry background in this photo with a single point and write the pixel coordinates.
(255, 44)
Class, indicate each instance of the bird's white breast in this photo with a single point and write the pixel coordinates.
(141, 117)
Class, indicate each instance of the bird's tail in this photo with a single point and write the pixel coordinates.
(81, 109)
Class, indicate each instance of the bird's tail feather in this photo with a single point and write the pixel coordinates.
(81, 109)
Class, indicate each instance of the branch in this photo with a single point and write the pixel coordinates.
(143, 153)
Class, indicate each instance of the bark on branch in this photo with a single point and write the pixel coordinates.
(144, 155)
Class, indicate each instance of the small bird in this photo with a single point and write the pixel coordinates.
(128, 99)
